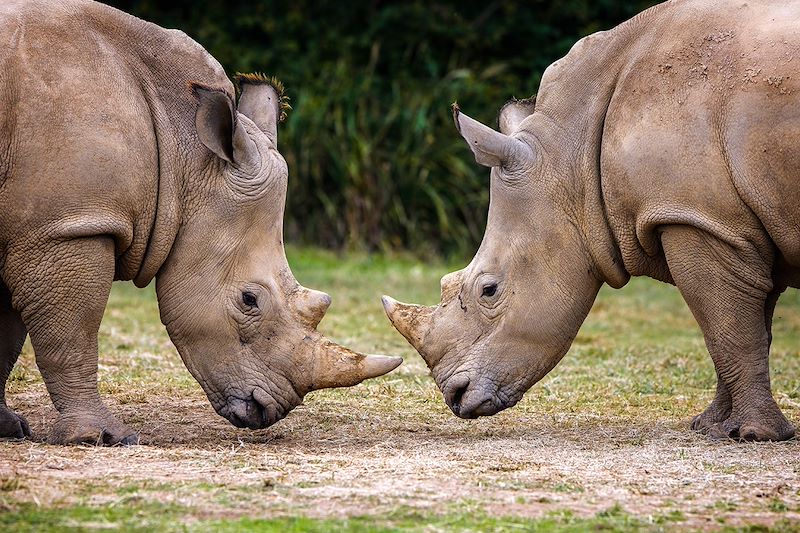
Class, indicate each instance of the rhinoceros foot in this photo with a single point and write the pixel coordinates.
(766, 428)
(97, 426)
(12, 425)
(716, 413)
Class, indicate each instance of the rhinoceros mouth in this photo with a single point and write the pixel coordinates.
(259, 411)
(470, 397)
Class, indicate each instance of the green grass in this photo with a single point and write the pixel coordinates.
(137, 516)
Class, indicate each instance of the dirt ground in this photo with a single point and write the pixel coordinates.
(607, 430)
(332, 458)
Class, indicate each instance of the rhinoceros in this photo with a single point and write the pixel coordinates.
(667, 147)
(123, 156)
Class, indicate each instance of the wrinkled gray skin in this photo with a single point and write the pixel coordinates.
(123, 156)
(666, 147)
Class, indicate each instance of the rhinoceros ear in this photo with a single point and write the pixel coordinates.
(215, 121)
(514, 112)
(263, 101)
(491, 148)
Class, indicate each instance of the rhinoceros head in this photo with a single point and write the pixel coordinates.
(243, 325)
(507, 318)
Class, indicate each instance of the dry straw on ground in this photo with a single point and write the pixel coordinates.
(365, 454)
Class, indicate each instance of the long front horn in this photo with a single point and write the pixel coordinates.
(412, 321)
(337, 366)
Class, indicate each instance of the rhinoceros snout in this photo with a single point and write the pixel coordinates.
(258, 412)
(468, 399)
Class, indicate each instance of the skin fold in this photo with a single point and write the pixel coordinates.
(123, 156)
(665, 147)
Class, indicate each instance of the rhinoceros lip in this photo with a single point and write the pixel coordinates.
(251, 413)
(465, 399)
(484, 406)
(468, 400)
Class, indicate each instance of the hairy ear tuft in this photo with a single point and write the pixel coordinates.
(263, 101)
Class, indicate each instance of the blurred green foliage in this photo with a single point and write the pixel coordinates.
(374, 159)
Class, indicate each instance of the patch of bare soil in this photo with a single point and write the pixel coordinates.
(369, 451)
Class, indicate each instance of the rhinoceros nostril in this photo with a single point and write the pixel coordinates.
(455, 392)
(255, 415)
(456, 405)
(245, 413)
(237, 412)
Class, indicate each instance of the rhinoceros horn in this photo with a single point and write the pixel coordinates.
(337, 366)
(412, 321)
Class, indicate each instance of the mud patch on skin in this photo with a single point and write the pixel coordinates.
(720, 36)
(777, 83)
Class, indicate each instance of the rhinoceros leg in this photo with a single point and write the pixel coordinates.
(12, 336)
(61, 290)
(720, 409)
(729, 291)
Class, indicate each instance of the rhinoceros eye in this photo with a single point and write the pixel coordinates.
(249, 299)
(489, 290)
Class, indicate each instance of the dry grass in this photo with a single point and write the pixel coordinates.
(607, 429)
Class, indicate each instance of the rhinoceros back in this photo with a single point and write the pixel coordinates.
(702, 126)
(94, 105)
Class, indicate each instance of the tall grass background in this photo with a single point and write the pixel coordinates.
(374, 159)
